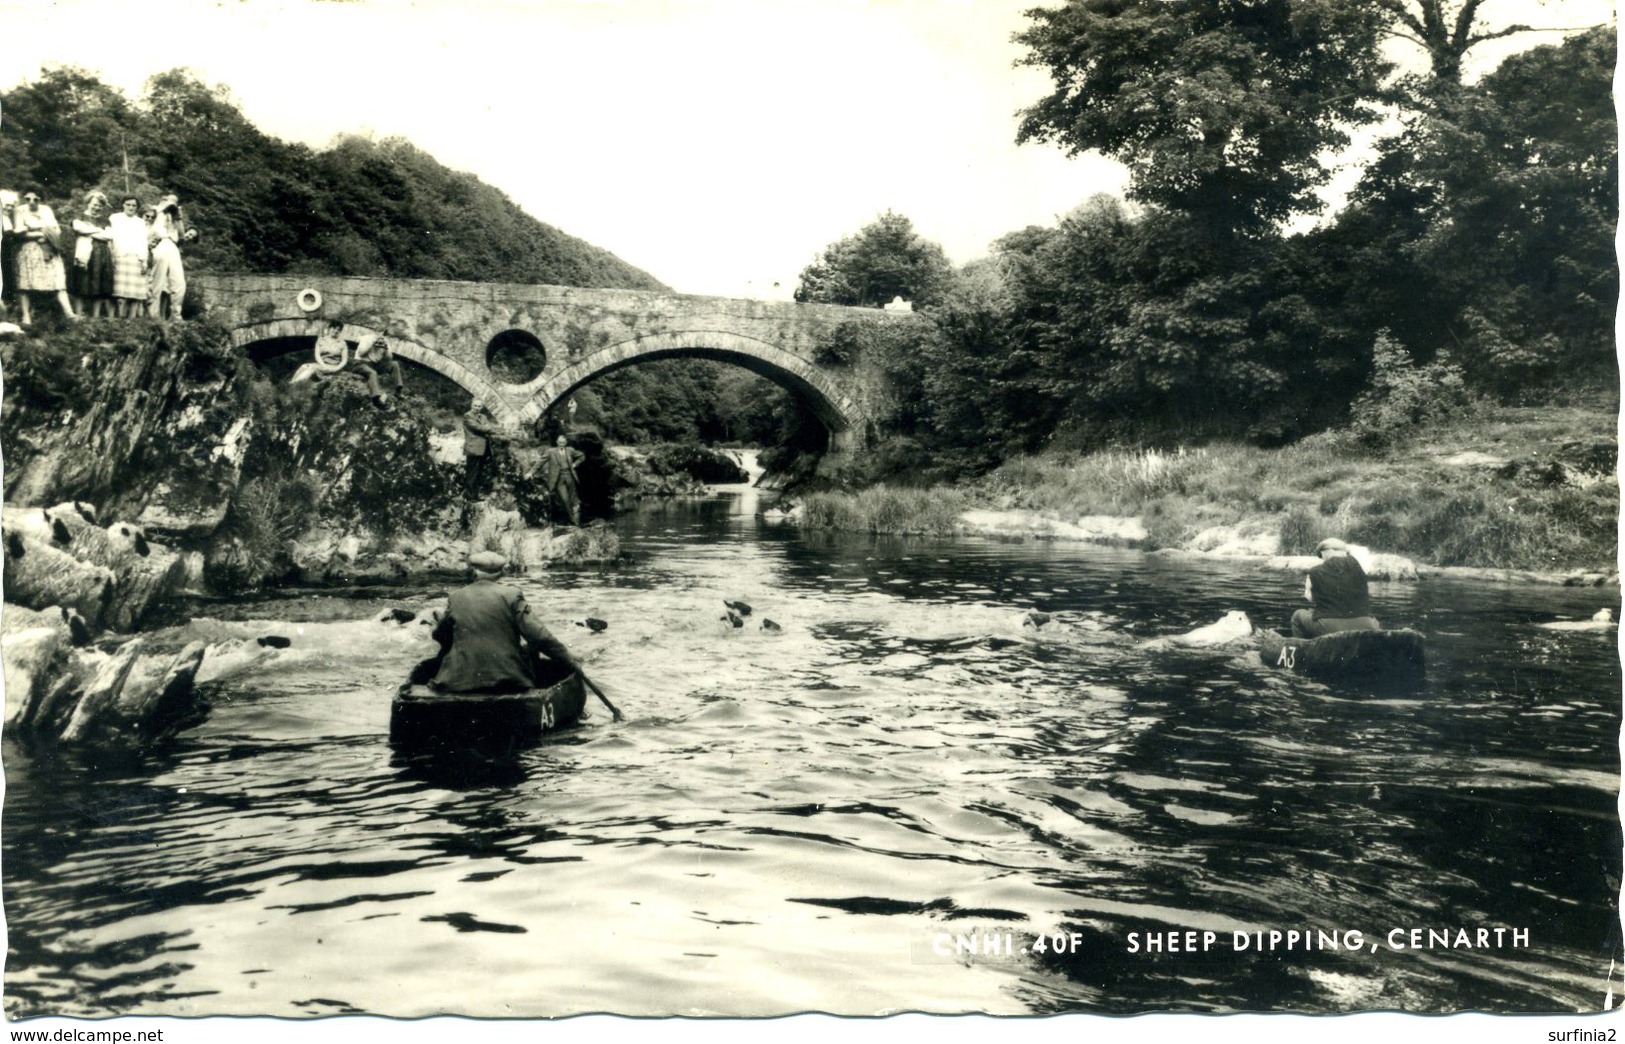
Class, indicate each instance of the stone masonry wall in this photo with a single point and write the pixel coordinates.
(448, 326)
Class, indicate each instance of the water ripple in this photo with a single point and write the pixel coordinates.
(788, 818)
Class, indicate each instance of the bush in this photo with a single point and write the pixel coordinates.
(1301, 531)
(47, 373)
(842, 346)
(379, 468)
(1111, 482)
(881, 509)
(885, 341)
(1403, 396)
(1506, 366)
(1494, 525)
(254, 543)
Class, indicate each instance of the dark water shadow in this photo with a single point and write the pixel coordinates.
(461, 769)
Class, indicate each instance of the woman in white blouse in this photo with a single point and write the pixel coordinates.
(90, 277)
(129, 258)
(39, 258)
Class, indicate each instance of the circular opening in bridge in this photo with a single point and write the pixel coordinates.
(516, 356)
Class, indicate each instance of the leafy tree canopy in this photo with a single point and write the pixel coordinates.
(62, 131)
(1224, 109)
(885, 259)
(1504, 197)
(1445, 29)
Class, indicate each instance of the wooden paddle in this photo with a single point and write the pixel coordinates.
(600, 694)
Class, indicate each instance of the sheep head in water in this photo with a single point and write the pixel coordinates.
(1230, 627)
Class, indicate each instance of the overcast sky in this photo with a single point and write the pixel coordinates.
(717, 144)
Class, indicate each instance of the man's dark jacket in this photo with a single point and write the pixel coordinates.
(483, 625)
(1338, 589)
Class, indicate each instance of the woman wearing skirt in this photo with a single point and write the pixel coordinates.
(129, 258)
(39, 257)
(90, 279)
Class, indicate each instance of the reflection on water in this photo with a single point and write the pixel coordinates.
(805, 818)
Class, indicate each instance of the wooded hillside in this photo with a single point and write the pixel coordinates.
(360, 207)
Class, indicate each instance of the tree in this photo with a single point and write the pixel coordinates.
(1127, 324)
(1445, 29)
(263, 205)
(246, 191)
(63, 131)
(1221, 109)
(886, 259)
(1501, 201)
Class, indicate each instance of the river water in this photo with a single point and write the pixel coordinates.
(832, 815)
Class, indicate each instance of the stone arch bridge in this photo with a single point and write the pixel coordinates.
(459, 330)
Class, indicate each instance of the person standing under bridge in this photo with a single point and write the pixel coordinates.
(479, 429)
(559, 474)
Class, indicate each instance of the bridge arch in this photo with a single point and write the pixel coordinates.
(835, 409)
(520, 405)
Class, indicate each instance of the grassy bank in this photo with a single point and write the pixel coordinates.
(1503, 488)
(887, 509)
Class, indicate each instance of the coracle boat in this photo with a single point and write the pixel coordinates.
(1346, 654)
(422, 719)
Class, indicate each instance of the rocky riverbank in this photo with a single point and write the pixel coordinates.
(1257, 541)
(674, 470)
(169, 430)
(148, 463)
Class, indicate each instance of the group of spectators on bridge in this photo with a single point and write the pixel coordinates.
(123, 261)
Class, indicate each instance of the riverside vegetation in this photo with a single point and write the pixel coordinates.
(1429, 463)
(1445, 465)
(1500, 487)
(1430, 370)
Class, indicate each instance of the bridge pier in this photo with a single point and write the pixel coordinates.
(843, 448)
